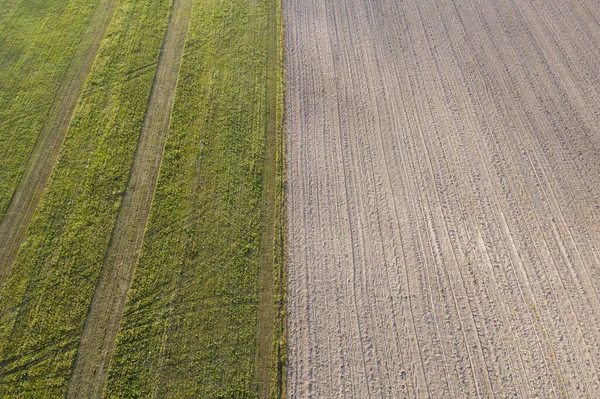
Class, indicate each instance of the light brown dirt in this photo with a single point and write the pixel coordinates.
(443, 198)
(102, 323)
(43, 157)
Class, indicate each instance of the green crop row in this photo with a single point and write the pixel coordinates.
(190, 323)
(47, 295)
(279, 382)
(37, 41)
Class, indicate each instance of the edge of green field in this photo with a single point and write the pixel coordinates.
(280, 344)
(272, 306)
(215, 243)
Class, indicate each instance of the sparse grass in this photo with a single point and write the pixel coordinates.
(278, 385)
(46, 297)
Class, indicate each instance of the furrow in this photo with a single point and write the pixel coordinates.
(443, 188)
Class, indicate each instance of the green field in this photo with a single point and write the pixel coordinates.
(205, 315)
(189, 329)
(37, 41)
(45, 300)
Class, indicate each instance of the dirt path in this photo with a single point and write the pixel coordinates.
(100, 330)
(43, 157)
(443, 199)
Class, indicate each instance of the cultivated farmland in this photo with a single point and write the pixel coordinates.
(47, 52)
(155, 163)
(444, 198)
(37, 43)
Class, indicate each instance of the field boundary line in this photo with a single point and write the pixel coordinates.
(271, 342)
(104, 315)
(14, 224)
(279, 390)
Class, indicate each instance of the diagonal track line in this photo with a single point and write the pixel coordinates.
(43, 157)
(102, 323)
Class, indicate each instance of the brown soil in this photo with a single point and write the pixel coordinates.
(443, 198)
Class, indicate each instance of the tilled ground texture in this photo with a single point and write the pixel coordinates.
(443, 198)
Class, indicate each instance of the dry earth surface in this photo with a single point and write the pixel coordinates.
(443, 198)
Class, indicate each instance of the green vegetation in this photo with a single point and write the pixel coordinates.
(190, 324)
(280, 227)
(38, 38)
(205, 315)
(272, 298)
(46, 297)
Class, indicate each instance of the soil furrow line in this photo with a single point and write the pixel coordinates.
(462, 223)
(432, 241)
(367, 122)
(530, 199)
(423, 209)
(477, 362)
(480, 104)
(568, 312)
(386, 171)
(380, 111)
(488, 200)
(378, 108)
(486, 307)
(442, 175)
(559, 212)
(349, 195)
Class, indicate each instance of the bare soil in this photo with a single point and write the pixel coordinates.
(443, 198)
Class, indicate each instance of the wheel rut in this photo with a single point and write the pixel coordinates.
(13, 226)
(102, 323)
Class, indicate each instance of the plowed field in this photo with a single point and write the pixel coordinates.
(443, 198)
(142, 176)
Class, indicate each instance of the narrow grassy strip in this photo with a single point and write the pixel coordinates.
(269, 365)
(27, 194)
(190, 324)
(100, 330)
(37, 42)
(47, 295)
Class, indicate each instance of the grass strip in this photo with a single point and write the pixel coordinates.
(26, 196)
(38, 40)
(272, 283)
(47, 295)
(279, 382)
(190, 323)
(100, 330)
